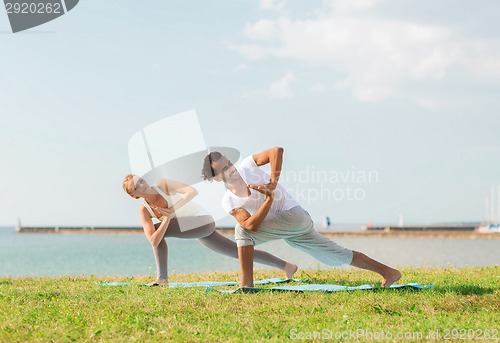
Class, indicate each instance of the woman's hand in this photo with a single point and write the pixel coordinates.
(164, 211)
(154, 233)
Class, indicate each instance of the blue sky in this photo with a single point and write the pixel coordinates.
(408, 91)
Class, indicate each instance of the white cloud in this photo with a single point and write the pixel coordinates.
(250, 51)
(346, 6)
(317, 87)
(241, 66)
(272, 4)
(281, 89)
(376, 58)
(261, 30)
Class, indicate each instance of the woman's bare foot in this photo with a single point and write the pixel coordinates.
(289, 270)
(158, 282)
(162, 282)
(393, 276)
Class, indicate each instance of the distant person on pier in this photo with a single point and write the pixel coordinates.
(327, 223)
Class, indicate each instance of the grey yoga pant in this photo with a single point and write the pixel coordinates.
(296, 228)
(204, 232)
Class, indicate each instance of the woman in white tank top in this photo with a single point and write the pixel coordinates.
(168, 202)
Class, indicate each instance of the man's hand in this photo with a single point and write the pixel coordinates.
(266, 189)
(272, 184)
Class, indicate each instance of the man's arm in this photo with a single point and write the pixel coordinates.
(252, 222)
(274, 156)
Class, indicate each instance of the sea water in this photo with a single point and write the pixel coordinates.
(44, 254)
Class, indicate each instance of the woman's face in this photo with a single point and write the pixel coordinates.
(139, 187)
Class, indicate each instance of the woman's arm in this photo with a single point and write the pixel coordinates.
(153, 235)
(173, 187)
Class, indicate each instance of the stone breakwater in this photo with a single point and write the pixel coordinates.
(386, 232)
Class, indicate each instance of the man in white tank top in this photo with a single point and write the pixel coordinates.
(265, 211)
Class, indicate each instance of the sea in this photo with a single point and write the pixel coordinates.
(42, 254)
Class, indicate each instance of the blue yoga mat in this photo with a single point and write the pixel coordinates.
(296, 288)
(202, 283)
(227, 283)
(319, 288)
(113, 284)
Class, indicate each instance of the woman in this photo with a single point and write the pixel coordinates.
(169, 202)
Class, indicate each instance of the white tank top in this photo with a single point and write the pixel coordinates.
(188, 210)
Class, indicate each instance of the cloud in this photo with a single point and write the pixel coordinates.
(263, 30)
(281, 88)
(272, 4)
(240, 67)
(317, 87)
(373, 57)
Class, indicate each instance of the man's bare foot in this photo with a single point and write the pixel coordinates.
(289, 270)
(393, 276)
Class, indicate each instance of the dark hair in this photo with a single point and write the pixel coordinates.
(208, 173)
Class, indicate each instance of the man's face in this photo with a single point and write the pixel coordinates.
(225, 171)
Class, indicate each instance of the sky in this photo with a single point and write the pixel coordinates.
(384, 108)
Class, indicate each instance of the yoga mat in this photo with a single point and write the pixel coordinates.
(228, 283)
(113, 284)
(319, 288)
(202, 283)
(297, 288)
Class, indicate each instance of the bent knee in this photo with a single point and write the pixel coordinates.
(242, 236)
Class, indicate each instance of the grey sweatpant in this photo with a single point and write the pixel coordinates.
(296, 228)
(203, 230)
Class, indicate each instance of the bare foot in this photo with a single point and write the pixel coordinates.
(393, 276)
(162, 282)
(158, 282)
(289, 270)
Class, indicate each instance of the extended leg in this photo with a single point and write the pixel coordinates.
(390, 275)
(325, 250)
(225, 246)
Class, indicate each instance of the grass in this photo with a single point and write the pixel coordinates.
(66, 309)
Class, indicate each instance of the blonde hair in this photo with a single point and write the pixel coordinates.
(125, 182)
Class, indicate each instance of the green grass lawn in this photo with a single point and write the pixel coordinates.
(77, 309)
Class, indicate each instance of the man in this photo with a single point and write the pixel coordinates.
(265, 211)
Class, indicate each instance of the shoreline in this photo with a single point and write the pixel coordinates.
(228, 232)
(400, 234)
